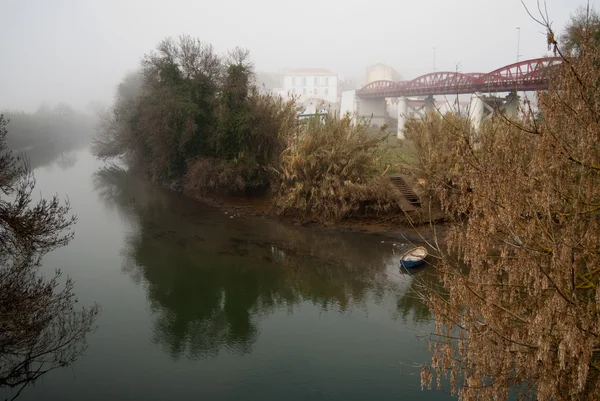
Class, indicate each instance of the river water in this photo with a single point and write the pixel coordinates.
(197, 304)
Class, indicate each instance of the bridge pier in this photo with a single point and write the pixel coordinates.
(402, 116)
(429, 105)
(511, 105)
(375, 109)
(477, 109)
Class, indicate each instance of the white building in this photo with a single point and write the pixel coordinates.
(311, 83)
(382, 72)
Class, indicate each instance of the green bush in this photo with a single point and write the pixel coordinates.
(271, 122)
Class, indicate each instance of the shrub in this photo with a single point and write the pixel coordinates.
(271, 122)
(438, 141)
(209, 175)
(330, 172)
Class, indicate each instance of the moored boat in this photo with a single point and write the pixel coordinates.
(413, 257)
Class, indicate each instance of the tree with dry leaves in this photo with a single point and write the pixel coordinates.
(40, 329)
(521, 306)
(584, 25)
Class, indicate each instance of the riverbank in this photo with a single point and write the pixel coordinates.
(419, 224)
(416, 226)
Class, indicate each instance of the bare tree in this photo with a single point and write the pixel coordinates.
(115, 129)
(197, 57)
(40, 330)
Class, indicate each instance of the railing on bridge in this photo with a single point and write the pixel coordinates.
(523, 76)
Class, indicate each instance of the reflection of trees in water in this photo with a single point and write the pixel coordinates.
(62, 154)
(66, 160)
(211, 278)
(124, 193)
(200, 305)
(410, 302)
(40, 327)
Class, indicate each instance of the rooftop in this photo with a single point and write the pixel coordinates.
(310, 71)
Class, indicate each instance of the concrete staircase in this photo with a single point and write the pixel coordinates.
(406, 191)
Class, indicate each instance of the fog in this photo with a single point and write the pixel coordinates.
(77, 51)
(46, 134)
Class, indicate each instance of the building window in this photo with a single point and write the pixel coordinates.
(303, 81)
(326, 81)
(316, 81)
(304, 91)
(316, 91)
(326, 90)
(293, 81)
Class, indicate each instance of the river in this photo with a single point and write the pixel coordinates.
(199, 304)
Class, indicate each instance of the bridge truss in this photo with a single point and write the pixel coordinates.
(522, 76)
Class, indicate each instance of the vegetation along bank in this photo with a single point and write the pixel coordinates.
(196, 122)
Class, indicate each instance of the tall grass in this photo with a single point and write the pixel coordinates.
(332, 171)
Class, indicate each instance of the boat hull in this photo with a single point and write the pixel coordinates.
(409, 263)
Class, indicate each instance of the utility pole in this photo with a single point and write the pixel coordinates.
(457, 98)
(518, 42)
(434, 59)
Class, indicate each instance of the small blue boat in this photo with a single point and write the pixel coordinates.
(413, 257)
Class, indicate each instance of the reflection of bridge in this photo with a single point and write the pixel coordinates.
(526, 75)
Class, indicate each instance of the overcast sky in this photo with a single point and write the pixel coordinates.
(78, 50)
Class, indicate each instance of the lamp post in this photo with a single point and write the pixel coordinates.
(434, 59)
(518, 42)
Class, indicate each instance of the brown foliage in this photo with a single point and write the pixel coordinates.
(331, 172)
(273, 122)
(526, 312)
(438, 141)
(208, 175)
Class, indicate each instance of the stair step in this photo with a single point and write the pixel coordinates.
(405, 190)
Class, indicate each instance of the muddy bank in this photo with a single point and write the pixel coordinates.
(419, 227)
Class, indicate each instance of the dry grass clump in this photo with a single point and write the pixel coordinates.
(211, 175)
(331, 171)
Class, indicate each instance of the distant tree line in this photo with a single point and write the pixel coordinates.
(60, 124)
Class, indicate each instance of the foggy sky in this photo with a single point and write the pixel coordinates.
(78, 50)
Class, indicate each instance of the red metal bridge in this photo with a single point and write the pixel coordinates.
(522, 76)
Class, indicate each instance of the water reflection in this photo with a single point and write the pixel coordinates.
(410, 303)
(211, 277)
(62, 154)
